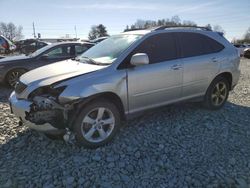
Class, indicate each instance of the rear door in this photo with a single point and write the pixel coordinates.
(160, 81)
(201, 62)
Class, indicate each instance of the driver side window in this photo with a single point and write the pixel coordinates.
(159, 48)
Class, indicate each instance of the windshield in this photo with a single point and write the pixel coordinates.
(39, 51)
(107, 51)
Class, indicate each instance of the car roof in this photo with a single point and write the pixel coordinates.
(65, 43)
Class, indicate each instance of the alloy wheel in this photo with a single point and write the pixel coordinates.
(98, 124)
(219, 93)
(13, 78)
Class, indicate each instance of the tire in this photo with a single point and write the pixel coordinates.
(97, 124)
(13, 76)
(217, 94)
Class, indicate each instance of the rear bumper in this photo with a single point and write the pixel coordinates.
(21, 107)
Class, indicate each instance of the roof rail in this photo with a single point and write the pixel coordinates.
(183, 26)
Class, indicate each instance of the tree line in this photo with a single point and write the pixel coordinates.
(100, 30)
(173, 21)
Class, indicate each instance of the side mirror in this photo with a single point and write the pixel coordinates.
(44, 57)
(139, 59)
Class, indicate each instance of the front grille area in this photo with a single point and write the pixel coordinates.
(20, 87)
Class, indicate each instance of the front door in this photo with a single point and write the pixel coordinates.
(159, 82)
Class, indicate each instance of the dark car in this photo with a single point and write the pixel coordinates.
(247, 53)
(11, 68)
(30, 45)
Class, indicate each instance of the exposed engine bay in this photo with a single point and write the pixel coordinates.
(45, 109)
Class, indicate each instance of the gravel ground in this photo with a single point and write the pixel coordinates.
(180, 145)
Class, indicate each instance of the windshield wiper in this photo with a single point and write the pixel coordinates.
(91, 61)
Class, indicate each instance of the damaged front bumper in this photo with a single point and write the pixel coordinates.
(22, 107)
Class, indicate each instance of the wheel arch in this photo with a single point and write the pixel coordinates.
(110, 96)
(228, 76)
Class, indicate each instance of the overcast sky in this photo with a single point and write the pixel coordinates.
(55, 18)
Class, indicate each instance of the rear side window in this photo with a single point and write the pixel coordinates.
(195, 44)
(159, 48)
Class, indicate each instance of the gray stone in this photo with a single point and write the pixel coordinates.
(96, 158)
(137, 154)
(70, 180)
(125, 178)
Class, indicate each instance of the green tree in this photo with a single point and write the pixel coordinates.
(98, 31)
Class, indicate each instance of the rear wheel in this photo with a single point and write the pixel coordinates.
(217, 93)
(97, 124)
(13, 76)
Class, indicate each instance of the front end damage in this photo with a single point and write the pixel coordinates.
(46, 110)
(43, 113)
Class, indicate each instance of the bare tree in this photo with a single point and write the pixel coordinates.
(208, 26)
(174, 21)
(218, 28)
(188, 23)
(11, 31)
(247, 35)
(98, 31)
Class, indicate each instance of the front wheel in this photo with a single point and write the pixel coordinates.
(13, 76)
(217, 94)
(97, 124)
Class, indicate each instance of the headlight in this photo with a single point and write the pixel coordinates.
(48, 90)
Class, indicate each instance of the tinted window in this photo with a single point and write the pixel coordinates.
(194, 44)
(159, 48)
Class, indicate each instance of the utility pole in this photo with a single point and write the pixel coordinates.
(34, 31)
(75, 32)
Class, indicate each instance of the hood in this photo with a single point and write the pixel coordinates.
(59, 71)
(14, 58)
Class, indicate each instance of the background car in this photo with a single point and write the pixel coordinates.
(241, 48)
(30, 46)
(247, 53)
(6, 46)
(11, 68)
(100, 39)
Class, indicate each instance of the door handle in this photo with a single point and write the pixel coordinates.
(176, 67)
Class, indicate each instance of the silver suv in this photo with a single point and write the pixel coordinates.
(87, 98)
